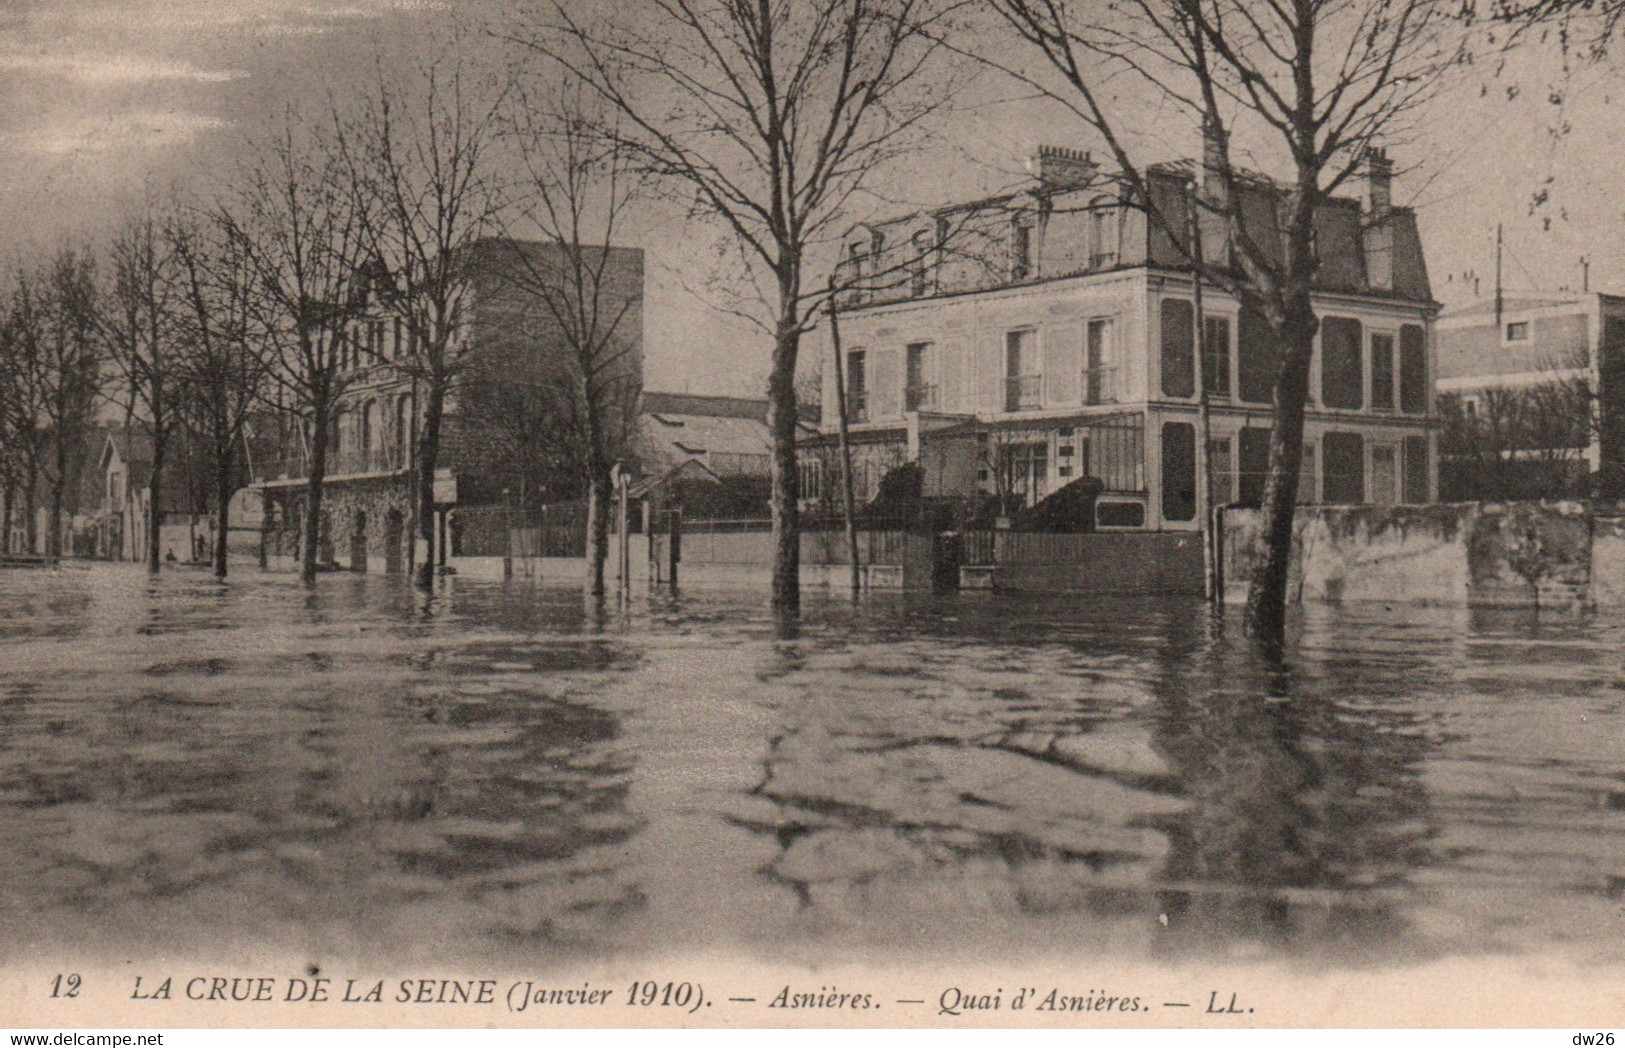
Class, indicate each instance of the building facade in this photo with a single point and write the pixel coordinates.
(1012, 346)
(513, 382)
(1530, 390)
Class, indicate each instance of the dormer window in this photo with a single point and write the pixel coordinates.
(1102, 233)
(1517, 331)
(1021, 250)
(920, 264)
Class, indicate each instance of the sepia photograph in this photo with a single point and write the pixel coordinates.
(934, 514)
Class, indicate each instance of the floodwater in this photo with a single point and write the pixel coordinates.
(493, 773)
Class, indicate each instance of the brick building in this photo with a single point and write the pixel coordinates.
(514, 372)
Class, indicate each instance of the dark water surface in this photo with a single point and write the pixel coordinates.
(359, 771)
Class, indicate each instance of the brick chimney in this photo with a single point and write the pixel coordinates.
(1379, 182)
(1058, 168)
(1379, 231)
(1210, 179)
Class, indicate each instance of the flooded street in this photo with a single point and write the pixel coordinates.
(356, 770)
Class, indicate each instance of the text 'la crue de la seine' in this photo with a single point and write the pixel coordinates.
(681, 996)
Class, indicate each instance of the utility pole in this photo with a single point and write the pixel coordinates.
(1498, 299)
(1212, 585)
(1585, 275)
(845, 446)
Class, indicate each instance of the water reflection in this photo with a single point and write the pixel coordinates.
(363, 768)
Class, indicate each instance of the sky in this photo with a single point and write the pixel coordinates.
(106, 102)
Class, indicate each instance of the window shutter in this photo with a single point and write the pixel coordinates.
(886, 384)
(1178, 356)
(1416, 470)
(952, 393)
(1413, 370)
(1258, 357)
(990, 373)
(1063, 364)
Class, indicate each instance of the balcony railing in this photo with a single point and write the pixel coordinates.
(1100, 385)
(1023, 392)
(920, 397)
(342, 463)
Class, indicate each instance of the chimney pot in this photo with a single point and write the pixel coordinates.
(1058, 168)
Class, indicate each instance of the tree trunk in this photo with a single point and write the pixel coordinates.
(781, 421)
(428, 461)
(31, 511)
(598, 491)
(155, 509)
(59, 494)
(222, 506)
(1266, 595)
(53, 536)
(310, 546)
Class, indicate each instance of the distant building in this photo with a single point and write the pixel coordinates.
(1526, 393)
(708, 454)
(513, 363)
(1013, 345)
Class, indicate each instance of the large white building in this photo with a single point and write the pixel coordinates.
(1013, 345)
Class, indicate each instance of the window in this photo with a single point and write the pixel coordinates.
(1518, 331)
(1340, 364)
(857, 261)
(1254, 466)
(1178, 379)
(1382, 372)
(1099, 364)
(920, 264)
(1022, 381)
(1413, 370)
(811, 479)
(1384, 474)
(919, 394)
(1253, 470)
(1257, 358)
(395, 342)
(1178, 471)
(1223, 471)
(1021, 250)
(1344, 475)
(1102, 234)
(1216, 361)
(1024, 471)
(403, 425)
(1416, 470)
(857, 393)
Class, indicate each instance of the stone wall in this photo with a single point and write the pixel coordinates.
(367, 523)
(1517, 554)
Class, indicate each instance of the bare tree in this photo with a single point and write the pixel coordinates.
(421, 161)
(139, 322)
(24, 438)
(301, 232)
(1317, 82)
(61, 315)
(580, 186)
(225, 369)
(1527, 441)
(773, 115)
